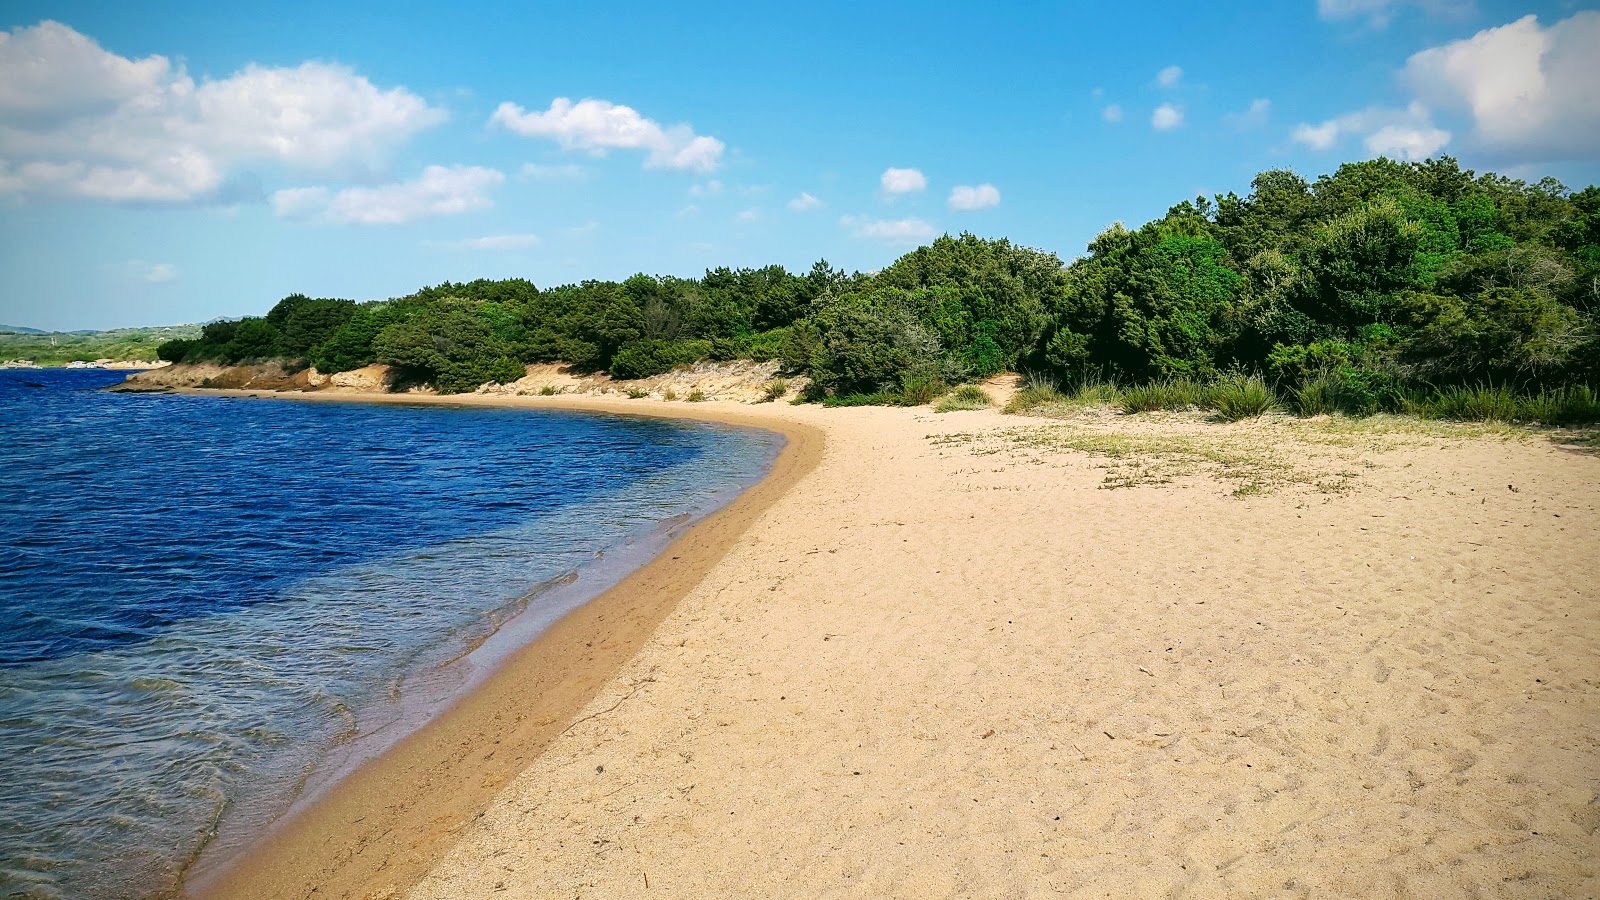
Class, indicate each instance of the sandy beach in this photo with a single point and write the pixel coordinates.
(976, 655)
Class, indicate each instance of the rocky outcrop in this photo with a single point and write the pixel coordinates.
(263, 377)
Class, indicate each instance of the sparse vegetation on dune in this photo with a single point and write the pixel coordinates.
(966, 397)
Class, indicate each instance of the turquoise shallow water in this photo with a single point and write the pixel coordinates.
(209, 606)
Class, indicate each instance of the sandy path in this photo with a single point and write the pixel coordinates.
(961, 669)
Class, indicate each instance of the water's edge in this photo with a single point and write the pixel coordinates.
(431, 694)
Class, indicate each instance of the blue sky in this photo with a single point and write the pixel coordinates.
(177, 162)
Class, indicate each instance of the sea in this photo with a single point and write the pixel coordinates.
(211, 607)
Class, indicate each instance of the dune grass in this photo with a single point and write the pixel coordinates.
(967, 396)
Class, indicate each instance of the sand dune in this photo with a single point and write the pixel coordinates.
(956, 659)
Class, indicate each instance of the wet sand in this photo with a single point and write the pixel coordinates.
(978, 655)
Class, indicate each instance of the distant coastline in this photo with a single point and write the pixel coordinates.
(112, 364)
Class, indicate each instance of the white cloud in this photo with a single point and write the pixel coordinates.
(708, 189)
(1531, 91)
(890, 231)
(1378, 13)
(1254, 117)
(1407, 134)
(597, 126)
(299, 203)
(567, 172)
(687, 211)
(1112, 113)
(1169, 77)
(148, 272)
(804, 202)
(495, 242)
(902, 181)
(749, 215)
(969, 198)
(78, 120)
(1166, 117)
(439, 191)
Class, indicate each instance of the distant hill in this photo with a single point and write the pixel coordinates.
(57, 348)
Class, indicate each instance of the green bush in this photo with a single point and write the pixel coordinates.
(775, 389)
(1572, 405)
(920, 389)
(176, 350)
(696, 396)
(1240, 397)
(1480, 403)
(967, 396)
(1171, 394)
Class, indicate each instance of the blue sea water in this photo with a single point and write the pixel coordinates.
(206, 602)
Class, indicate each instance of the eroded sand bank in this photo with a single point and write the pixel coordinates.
(977, 655)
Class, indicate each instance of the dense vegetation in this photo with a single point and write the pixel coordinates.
(56, 348)
(1365, 289)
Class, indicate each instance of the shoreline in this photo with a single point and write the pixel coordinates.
(342, 842)
(975, 654)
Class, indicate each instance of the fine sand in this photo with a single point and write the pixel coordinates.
(979, 655)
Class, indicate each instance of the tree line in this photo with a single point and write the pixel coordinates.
(1376, 280)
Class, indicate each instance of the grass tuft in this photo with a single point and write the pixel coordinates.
(967, 396)
(1241, 397)
(697, 396)
(1169, 394)
(549, 390)
(775, 390)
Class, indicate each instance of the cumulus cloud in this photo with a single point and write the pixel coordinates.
(891, 231)
(1169, 77)
(1407, 134)
(902, 181)
(495, 242)
(1530, 90)
(804, 202)
(749, 215)
(439, 191)
(78, 120)
(1378, 13)
(969, 198)
(1166, 117)
(598, 126)
(1112, 113)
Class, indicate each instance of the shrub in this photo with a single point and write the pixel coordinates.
(968, 396)
(1480, 403)
(1173, 394)
(919, 389)
(882, 398)
(669, 394)
(1574, 405)
(776, 388)
(175, 350)
(549, 390)
(1318, 395)
(637, 393)
(1241, 397)
(697, 395)
(1038, 389)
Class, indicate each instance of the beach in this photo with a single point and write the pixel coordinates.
(982, 655)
